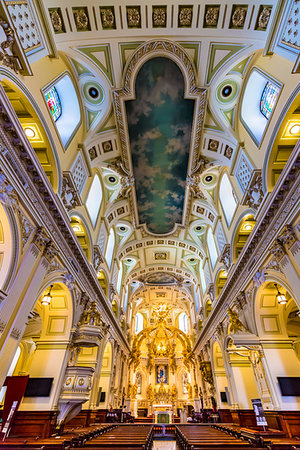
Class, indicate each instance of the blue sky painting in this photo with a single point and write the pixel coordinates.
(160, 124)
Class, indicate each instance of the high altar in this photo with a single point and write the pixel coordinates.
(163, 413)
(162, 370)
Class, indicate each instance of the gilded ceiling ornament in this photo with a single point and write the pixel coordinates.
(159, 17)
(264, 17)
(107, 17)
(161, 311)
(56, 20)
(185, 17)
(133, 17)
(213, 145)
(212, 16)
(238, 17)
(93, 153)
(81, 19)
(228, 152)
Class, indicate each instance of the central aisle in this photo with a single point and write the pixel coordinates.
(164, 445)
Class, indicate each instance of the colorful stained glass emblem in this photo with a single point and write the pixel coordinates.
(53, 103)
(268, 99)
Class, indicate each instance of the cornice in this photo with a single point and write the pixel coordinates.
(277, 210)
(22, 166)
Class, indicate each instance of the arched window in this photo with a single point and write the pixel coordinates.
(182, 322)
(94, 199)
(202, 279)
(213, 253)
(119, 281)
(62, 101)
(268, 99)
(139, 323)
(227, 199)
(259, 100)
(110, 248)
(53, 103)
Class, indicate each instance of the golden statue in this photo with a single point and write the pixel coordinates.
(174, 392)
(150, 395)
(134, 391)
(190, 391)
(235, 324)
(129, 390)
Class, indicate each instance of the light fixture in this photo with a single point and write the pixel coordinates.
(281, 298)
(247, 227)
(30, 133)
(295, 129)
(46, 300)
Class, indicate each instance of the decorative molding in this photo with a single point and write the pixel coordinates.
(7, 53)
(97, 258)
(254, 193)
(225, 257)
(69, 194)
(8, 195)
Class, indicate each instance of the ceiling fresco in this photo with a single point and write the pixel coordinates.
(160, 124)
(159, 278)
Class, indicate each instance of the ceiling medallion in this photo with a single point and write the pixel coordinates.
(56, 20)
(212, 16)
(107, 18)
(81, 20)
(264, 17)
(185, 17)
(159, 17)
(238, 17)
(133, 17)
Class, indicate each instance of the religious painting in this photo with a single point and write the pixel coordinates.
(161, 374)
(160, 121)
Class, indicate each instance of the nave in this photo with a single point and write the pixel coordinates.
(157, 437)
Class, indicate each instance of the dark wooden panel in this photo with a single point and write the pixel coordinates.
(34, 423)
(225, 415)
(244, 417)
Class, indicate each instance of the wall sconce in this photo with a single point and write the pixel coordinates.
(47, 298)
(281, 298)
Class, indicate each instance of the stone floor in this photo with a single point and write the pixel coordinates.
(164, 445)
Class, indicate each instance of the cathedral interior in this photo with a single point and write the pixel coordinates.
(149, 212)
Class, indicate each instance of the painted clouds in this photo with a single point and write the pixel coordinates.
(160, 123)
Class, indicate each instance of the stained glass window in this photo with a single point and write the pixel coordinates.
(54, 104)
(268, 99)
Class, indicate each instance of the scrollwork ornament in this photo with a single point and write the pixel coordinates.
(8, 195)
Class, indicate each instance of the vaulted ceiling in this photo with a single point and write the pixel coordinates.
(160, 89)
